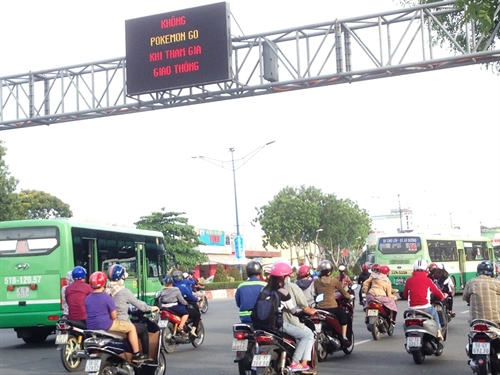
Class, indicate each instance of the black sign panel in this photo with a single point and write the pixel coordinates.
(178, 49)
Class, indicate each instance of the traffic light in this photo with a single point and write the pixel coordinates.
(228, 240)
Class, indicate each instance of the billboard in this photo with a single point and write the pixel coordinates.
(211, 237)
(178, 49)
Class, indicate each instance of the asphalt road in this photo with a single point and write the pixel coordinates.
(214, 357)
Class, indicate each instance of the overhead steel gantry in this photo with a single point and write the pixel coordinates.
(341, 51)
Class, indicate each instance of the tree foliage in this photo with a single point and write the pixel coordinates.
(36, 204)
(9, 203)
(221, 274)
(180, 237)
(485, 16)
(297, 218)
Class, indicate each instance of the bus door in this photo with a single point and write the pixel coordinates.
(91, 263)
(142, 270)
(461, 263)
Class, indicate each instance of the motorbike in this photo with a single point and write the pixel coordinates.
(483, 347)
(378, 319)
(244, 346)
(328, 329)
(421, 333)
(170, 334)
(110, 353)
(274, 350)
(69, 340)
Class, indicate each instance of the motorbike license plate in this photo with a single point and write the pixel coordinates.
(163, 323)
(372, 312)
(61, 339)
(318, 327)
(93, 365)
(413, 342)
(261, 360)
(23, 291)
(480, 348)
(240, 345)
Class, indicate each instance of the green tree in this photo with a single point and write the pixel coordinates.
(220, 275)
(234, 273)
(9, 202)
(36, 204)
(485, 16)
(180, 237)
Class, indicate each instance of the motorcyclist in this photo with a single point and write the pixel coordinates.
(343, 277)
(123, 297)
(305, 282)
(69, 280)
(76, 293)
(327, 286)
(483, 293)
(248, 290)
(379, 287)
(172, 299)
(417, 290)
(363, 276)
(187, 293)
(441, 278)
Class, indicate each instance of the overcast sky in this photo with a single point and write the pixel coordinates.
(433, 138)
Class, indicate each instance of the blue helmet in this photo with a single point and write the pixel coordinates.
(168, 280)
(485, 268)
(79, 273)
(116, 272)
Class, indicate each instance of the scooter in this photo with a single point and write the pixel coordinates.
(69, 341)
(378, 319)
(421, 333)
(110, 353)
(274, 350)
(483, 347)
(244, 346)
(328, 329)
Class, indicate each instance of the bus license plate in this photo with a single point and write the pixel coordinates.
(240, 345)
(372, 312)
(23, 291)
(261, 360)
(61, 339)
(480, 348)
(163, 323)
(93, 365)
(413, 342)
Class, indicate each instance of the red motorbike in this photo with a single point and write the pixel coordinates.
(329, 331)
(378, 319)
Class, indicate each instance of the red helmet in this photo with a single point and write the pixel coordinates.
(432, 266)
(97, 280)
(281, 269)
(375, 267)
(384, 269)
(304, 271)
(365, 267)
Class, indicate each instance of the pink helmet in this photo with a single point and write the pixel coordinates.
(281, 269)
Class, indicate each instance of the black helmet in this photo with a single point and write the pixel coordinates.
(485, 268)
(325, 267)
(168, 280)
(190, 272)
(253, 268)
(177, 276)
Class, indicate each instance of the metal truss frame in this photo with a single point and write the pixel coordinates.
(398, 42)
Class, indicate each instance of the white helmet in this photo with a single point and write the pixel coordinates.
(342, 268)
(420, 265)
(185, 275)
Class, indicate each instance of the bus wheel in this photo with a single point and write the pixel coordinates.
(37, 336)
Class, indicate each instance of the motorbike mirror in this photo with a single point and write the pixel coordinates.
(320, 297)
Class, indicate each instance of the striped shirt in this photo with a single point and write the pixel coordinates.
(483, 294)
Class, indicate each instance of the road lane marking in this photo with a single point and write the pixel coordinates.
(361, 342)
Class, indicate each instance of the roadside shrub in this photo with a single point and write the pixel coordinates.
(220, 274)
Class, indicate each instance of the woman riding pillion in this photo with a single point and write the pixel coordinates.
(172, 299)
(379, 287)
(187, 293)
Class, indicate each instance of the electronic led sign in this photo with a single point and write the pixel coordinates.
(178, 49)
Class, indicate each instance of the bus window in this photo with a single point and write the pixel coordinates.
(476, 250)
(442, 251)
(28, 241)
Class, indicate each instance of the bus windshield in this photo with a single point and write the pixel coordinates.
(28, 241)
(399, 245)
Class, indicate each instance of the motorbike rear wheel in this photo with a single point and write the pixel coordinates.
(418, 356)
(201, 336)
(168, 345)
(70, 362)
(484, 369)
(375, 331)
(321, 341)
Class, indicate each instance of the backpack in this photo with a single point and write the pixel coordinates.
(266, 309)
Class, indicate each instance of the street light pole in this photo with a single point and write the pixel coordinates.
(235, 195)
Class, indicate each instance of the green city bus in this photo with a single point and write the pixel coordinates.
(35, 256)
(459, 255)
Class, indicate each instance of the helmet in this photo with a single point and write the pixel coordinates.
(253, 268)
(266, 269)
(420, 265)
(97, 280)
(375, 267)
(168, 280)
(441, 266)
(365, 267)
(116, 272)
(342, 268)
(433, 266)
(281, 269)
(384, 269)
(79, 273)
(325, 267)
(304, 271)
(185, 275)
(177, 276)
(190, 271)
(485, 268)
